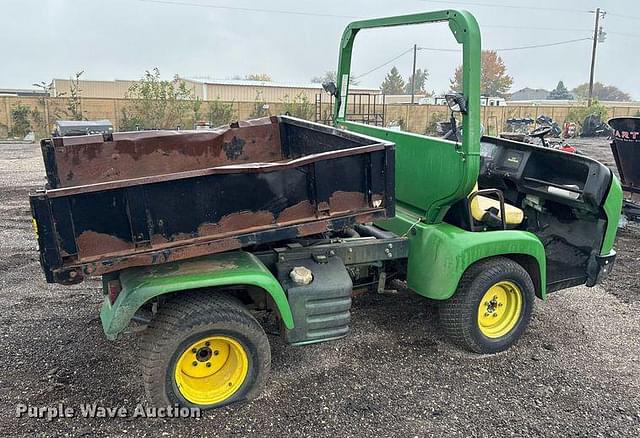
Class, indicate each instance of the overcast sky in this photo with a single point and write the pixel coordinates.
(45, 39)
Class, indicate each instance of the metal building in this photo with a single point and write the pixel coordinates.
(224, 90)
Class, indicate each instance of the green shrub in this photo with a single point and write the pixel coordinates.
(260, 108)
(299, 106)
(158, 104)
(20, 120)
(221, 113)
(432, 124)
(577, 114)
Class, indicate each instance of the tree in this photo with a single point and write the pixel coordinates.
(602, 92)
(262, 77)
(299, 106)
(330, 76)
(494, 80)
(560, 92)
(421, 81)
(221, 113)
(20, 119)
(393, 83)
(578, 113)
(157, 103)
(74, 106)
(260, 106)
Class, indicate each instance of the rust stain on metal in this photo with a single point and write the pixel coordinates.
(312, 228)
(202, 265)
(105, 263)
(89, 160)
(300, 211)
(341, 202)
(242, 221)
(91, 243)
(159, 256)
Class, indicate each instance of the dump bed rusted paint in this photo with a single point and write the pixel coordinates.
(152, 197)
(89, 159)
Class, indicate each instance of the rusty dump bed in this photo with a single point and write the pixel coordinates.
(143, 198)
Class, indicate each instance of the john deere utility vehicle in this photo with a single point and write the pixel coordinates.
(192, 232)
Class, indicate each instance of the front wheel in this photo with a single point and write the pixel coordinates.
(491, 307)
(204, 350)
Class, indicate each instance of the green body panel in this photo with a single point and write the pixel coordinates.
(612, 208)
(431, 173)
(139, 285)
(440, 253)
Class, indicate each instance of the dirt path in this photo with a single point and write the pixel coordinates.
(575, 372)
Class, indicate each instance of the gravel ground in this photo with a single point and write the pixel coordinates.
(576, 372)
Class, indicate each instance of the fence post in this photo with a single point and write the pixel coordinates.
(6, 109)
(115, 114)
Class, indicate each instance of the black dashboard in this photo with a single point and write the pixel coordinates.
(548, 173)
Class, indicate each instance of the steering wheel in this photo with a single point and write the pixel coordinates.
(540, 131)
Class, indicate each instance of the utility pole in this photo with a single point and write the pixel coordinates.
(593, 51)
(413, 75)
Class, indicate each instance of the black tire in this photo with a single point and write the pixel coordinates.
(184, 319)
(459, 315)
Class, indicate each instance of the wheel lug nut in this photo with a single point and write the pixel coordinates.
(208, 364)
(194, 363)
(216, 352)
(194, 351)
(499, 304)
(495, 315)
(486, 314)
(207, 343)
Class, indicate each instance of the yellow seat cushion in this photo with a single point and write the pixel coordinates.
(480, 204)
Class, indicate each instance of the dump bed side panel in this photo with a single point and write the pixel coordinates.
(91, 159)
(94, 230)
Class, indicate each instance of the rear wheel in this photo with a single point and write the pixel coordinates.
(204, 350)
(491, 307)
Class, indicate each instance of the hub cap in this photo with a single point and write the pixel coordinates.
(211, 370)
(499, 309)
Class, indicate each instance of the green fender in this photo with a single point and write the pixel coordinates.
(440, 253)
(139, 285)
(612, 209)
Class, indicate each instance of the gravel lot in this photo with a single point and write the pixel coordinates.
(576, 372)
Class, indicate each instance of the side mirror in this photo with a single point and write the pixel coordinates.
(330, 87)
(457, 102)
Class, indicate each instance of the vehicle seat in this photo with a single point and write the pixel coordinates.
(481, 205)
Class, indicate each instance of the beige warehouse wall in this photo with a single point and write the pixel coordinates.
(415, 118)
(206, 91)
(243, 93)
(109, 89)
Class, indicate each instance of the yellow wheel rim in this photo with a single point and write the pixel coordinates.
(211, 370)
(500, 309)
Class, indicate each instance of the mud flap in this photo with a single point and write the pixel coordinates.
(321, 308)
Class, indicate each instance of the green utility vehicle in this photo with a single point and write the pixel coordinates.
(481, 225)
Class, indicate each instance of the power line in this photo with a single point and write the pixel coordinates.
(495, 5)
(237, 8)
(386, 63)
(561, 29)
(559, 43)
(629, 17)
(505, 49)
(632, 35)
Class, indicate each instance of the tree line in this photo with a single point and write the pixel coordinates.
(496, 82)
